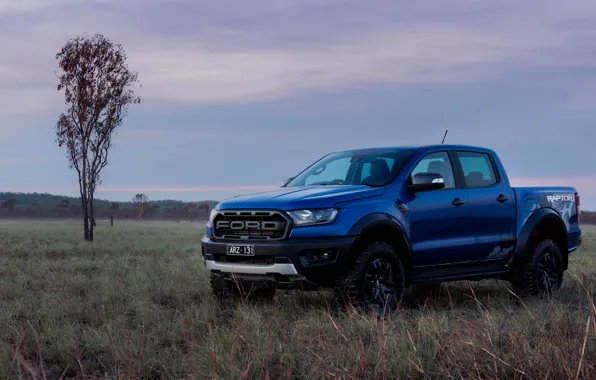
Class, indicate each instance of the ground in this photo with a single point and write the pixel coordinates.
(136, 304)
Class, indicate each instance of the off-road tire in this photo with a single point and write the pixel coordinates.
(541, 273)
(350, 289)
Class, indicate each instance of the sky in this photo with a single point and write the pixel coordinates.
(237, 96)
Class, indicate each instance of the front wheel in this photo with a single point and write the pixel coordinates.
(542, 273)
(375, 281)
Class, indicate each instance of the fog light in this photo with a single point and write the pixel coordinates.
(319, 256)
(314, 257)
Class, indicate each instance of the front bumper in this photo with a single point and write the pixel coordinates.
(286, 264)
(276, 268)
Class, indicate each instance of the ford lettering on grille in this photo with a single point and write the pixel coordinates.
(250, 225)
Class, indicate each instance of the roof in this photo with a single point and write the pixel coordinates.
(447, 146)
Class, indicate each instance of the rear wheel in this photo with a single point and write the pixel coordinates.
(375, 281)
(542, 272)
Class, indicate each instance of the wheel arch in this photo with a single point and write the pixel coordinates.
(382, 227)
(543, 223)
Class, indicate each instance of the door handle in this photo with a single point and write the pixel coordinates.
(457, 202)
(501, 198)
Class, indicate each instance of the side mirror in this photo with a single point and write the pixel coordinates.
(426, 182)
(287, 180)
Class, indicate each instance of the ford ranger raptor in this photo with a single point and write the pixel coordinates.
(369, 223)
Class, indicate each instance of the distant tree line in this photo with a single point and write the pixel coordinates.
(587, 217)
(36, 205)
(43, 205)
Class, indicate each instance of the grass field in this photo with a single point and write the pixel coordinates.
(136, 304)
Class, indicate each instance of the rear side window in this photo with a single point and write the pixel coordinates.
(477, 168)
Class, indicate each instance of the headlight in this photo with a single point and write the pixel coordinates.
(313, 217)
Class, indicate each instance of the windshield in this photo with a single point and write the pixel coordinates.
(366, 167)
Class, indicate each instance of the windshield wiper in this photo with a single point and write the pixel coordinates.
(371, 185)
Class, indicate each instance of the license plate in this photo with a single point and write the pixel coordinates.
(241, 250)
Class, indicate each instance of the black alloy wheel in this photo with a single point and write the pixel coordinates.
(375, 282)
(548, 276)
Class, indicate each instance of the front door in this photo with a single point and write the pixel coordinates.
(439, 219)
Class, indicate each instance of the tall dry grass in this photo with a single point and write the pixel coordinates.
(136, 304)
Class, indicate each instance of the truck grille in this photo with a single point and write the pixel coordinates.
(250, 225)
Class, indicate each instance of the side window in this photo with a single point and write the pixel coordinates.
(437, 162)
(478, 169)
(337, 169)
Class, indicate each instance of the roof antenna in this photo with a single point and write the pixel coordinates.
(445, 135)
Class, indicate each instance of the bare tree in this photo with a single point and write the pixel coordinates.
(114, 209)
(204, 208)
(140, 200)
(9, 204)
(97, 88)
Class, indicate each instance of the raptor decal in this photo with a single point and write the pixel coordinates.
(563, 204)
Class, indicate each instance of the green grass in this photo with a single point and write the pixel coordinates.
(136, 304)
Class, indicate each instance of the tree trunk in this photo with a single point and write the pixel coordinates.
(91, 217)
(85, 218)
(84, 199)
(84, 209)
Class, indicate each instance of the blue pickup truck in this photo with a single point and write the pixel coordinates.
(369, 223)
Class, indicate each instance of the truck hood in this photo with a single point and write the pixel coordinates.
(293, 198)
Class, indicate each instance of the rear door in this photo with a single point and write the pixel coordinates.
(491, 205)
(439, 219)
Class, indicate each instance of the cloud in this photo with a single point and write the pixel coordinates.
(5, 161)
(194, 75)
(173, 190)
(180, 189)
(204, 52)
(11, 6)
(198, 135)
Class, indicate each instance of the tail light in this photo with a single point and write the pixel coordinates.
(577, 210)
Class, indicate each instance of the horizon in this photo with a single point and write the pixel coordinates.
(235, 99)
(150, 199)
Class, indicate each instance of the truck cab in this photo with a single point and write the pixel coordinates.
(368, 223)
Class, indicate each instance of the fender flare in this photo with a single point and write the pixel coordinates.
(379, 219)
(537, 217)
